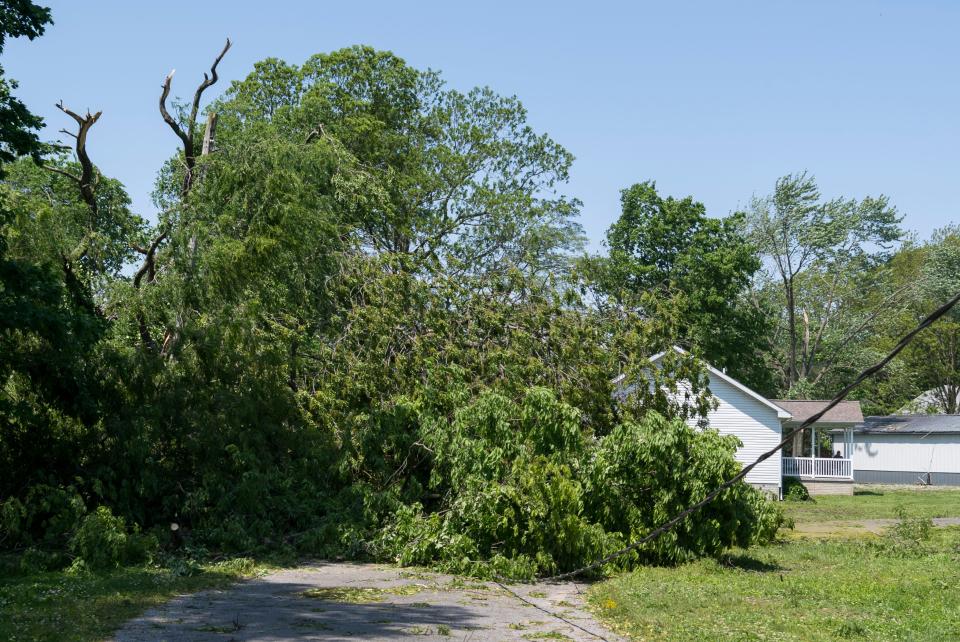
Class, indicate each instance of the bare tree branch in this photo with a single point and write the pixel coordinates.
(186, 137)
(148, 269)
(88, 173)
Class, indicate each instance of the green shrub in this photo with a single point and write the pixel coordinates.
(794, 490)
(46, 517)
(102, 541)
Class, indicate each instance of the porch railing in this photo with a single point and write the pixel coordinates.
(816, 467)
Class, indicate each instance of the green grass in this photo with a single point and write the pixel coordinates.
(797, 590)
(876, 504)
(61, 606)
(805, 589)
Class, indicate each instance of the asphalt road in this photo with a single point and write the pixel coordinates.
(334, 601)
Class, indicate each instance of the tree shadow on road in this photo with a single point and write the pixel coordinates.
(284, 611)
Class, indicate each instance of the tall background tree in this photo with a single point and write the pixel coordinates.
(927, 380)
(824, 261)
(667, 249)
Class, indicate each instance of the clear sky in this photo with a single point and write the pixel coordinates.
(710, 99)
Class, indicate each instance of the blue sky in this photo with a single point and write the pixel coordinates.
(710, 99)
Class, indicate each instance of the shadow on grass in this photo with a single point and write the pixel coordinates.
(868, 493)
(747, 563)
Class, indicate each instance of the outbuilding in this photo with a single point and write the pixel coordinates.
(907, 449)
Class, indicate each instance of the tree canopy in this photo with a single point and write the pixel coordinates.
(668, 249)
(18, 125)
(822, 256)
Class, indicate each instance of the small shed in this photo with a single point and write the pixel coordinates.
(907, 449)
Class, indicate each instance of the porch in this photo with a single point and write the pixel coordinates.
(828, 470)
(818, 467)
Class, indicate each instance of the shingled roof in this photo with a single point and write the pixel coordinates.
(910, 424)
(845, 412)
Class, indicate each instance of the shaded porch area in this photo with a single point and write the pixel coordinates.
(821, 456)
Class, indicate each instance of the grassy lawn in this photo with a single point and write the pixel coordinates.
(804, 589)
(880, 502)
(60, 606)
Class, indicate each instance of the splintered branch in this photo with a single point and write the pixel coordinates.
(186, 137)
(208, 81)
(317, 132)
(170, 120)
(148, 270)
(88, 174)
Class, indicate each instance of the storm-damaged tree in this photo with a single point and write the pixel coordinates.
(821, 258)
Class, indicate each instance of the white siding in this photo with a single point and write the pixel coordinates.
(904, 452)
(755, 423)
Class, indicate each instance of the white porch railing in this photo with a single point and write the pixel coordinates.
(815, 467)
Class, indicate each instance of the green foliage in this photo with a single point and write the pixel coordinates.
(794, 490)
(520, 483)
(648, 471)
(34, 560)
(356, 335)
(47, 516)
(103, 541)
(18, 126)
(466, 185)
(824, 280)
(671, 250)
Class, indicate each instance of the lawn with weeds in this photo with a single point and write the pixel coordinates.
(876, 503)
(893, 587)
(59, 605)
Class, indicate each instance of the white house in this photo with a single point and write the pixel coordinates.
(907, 449)
(760, 424)
(753, 418)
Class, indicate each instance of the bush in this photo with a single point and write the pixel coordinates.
(45, 518)
(522, 491)
(794, 490)
(102, 541)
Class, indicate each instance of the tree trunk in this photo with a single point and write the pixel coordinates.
(792, 374)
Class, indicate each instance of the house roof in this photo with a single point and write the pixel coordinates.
(782, 413)
(845, 412)
(910, 424)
